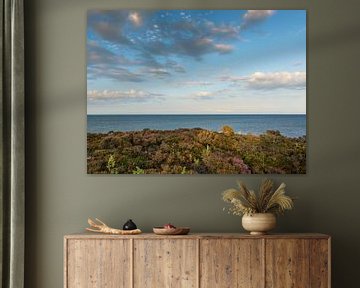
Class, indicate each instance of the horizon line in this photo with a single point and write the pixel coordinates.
(195, 114)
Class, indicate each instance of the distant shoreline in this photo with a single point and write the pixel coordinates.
(290, 125)
(182, 129)
(196, 114)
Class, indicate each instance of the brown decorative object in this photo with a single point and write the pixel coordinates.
(197, 260)
(171, 231)
(101, 227)
(259, 223)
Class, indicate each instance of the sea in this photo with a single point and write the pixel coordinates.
(291, 125)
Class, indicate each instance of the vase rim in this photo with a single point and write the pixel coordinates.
(267, 213)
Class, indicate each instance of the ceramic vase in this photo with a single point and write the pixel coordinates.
(259, 223)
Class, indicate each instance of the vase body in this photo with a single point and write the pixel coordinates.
(259, 223)
(129, 225)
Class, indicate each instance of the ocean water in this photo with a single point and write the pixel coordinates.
(288, 125)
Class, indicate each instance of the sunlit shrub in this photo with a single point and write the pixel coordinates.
(196, 150)
(227, 130)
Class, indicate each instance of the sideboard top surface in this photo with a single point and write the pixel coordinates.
(87, 235)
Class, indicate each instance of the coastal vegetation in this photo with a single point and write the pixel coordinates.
(195, 151)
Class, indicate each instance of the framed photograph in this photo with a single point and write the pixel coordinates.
(196, 92)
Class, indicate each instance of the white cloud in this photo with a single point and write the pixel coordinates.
(195, 83)
(135, 18)
(131, 95)
(256, 15)
(276, 80)
(208, 95)
(203, 42)
(232, 79)
(223, 48)
(159, 72)
(269, 80)
(223, 30)
(203, 94)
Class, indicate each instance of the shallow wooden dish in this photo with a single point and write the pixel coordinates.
(171, 231)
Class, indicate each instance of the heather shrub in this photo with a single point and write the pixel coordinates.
(192, 151)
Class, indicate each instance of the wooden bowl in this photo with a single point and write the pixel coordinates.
(171, 231)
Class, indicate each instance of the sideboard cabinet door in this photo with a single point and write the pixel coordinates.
(320, 263)
(297, 263)
(98, 263)
(165, 263)
(287, 263)
(231, 263)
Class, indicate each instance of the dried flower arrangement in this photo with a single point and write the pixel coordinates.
(246, 202)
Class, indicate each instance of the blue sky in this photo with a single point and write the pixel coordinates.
(196, 61)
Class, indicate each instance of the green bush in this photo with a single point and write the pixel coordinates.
(192, 151)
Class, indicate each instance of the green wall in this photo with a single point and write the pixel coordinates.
(60, 195)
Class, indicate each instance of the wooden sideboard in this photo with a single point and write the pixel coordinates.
(197, 260)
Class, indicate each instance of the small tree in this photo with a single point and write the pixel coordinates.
(111, 165)
(227, 130)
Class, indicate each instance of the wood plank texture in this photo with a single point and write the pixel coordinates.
(197, 261)
(231, 263)
(166, 263)
(98, 264)
(287, 263)
(319, 263)
(89, 235)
